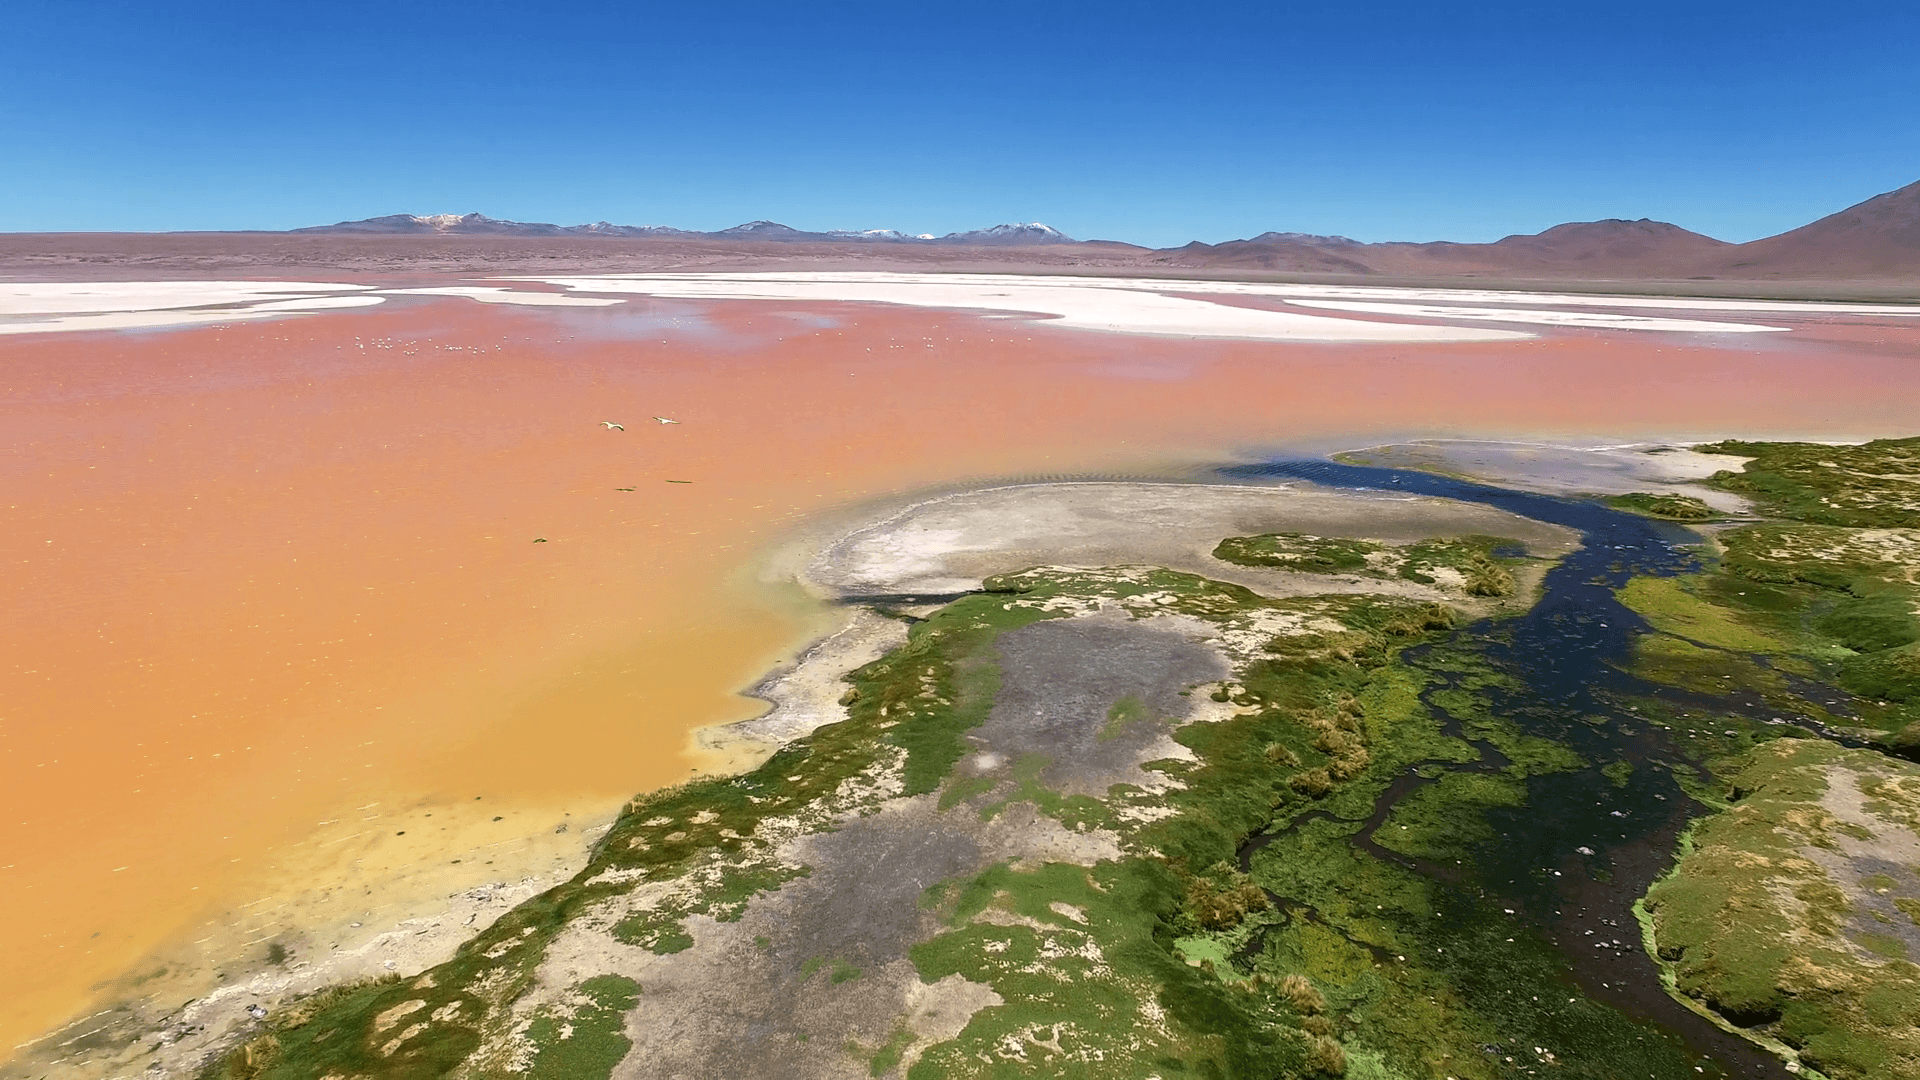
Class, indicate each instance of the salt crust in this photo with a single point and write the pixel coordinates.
(150, 319)
(1492, 296)
(495, 294)
(1600, 319)
(1145, 306)
(1116, 305)
(1074, 303)
(66, 298)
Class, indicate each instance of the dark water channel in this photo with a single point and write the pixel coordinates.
(1564, 657)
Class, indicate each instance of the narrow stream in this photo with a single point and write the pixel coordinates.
(1565, 655)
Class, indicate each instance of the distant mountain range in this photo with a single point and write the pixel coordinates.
(1879, 238)
(1600, 247)
(482, 225)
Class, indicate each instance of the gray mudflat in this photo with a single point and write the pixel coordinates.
(777, 993)
(814, 978)
(1059, 681)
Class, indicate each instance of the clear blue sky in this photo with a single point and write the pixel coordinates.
(1155, 122)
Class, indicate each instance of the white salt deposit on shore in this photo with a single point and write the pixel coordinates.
(496, 294)
(61, 298)
(1489, 296)
(1598, 319)
(1148, 306)
(315, 303)
(1162, 307)
(150, 319)
(1076, 303)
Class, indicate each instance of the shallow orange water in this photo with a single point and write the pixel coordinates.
(264, 580)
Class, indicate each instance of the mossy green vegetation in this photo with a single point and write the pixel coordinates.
(1672, 608)
(317, 1038)
(1425, 977)
(887, 1058)
(1476, 565)
(1326, 954)
(1853, 596)
(1057, 927)
(1665, 505)
(297, 1040)
(585, 1041)
(1448, 818)
(1868, 485)
(722, 897)
(709, 847)
(1127, 711)
(1769, 918)
(1299, 551)
(1317, 686)
(1787, 915)
(1483, 562)
(1836, 605)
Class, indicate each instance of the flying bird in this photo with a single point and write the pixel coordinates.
(664, 420)
(611, 426)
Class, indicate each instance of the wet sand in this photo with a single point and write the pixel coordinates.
(274, 593)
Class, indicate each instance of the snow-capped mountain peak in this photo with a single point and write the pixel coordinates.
(1032, 232)
(759, 228)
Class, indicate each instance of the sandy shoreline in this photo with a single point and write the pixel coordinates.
(191, 997)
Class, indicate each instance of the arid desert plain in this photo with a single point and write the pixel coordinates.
(346, 611)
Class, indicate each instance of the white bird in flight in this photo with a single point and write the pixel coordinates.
(664, 420)
(611, 426)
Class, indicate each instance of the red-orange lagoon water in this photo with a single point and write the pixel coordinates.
(277, 592)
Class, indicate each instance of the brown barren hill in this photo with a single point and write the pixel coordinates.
(1582, 249)
(1879, 238)
(1612, 246)
(1297, 252)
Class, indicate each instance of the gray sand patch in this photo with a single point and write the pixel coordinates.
(1860, 865)
(813, 979)
(1063, 680)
